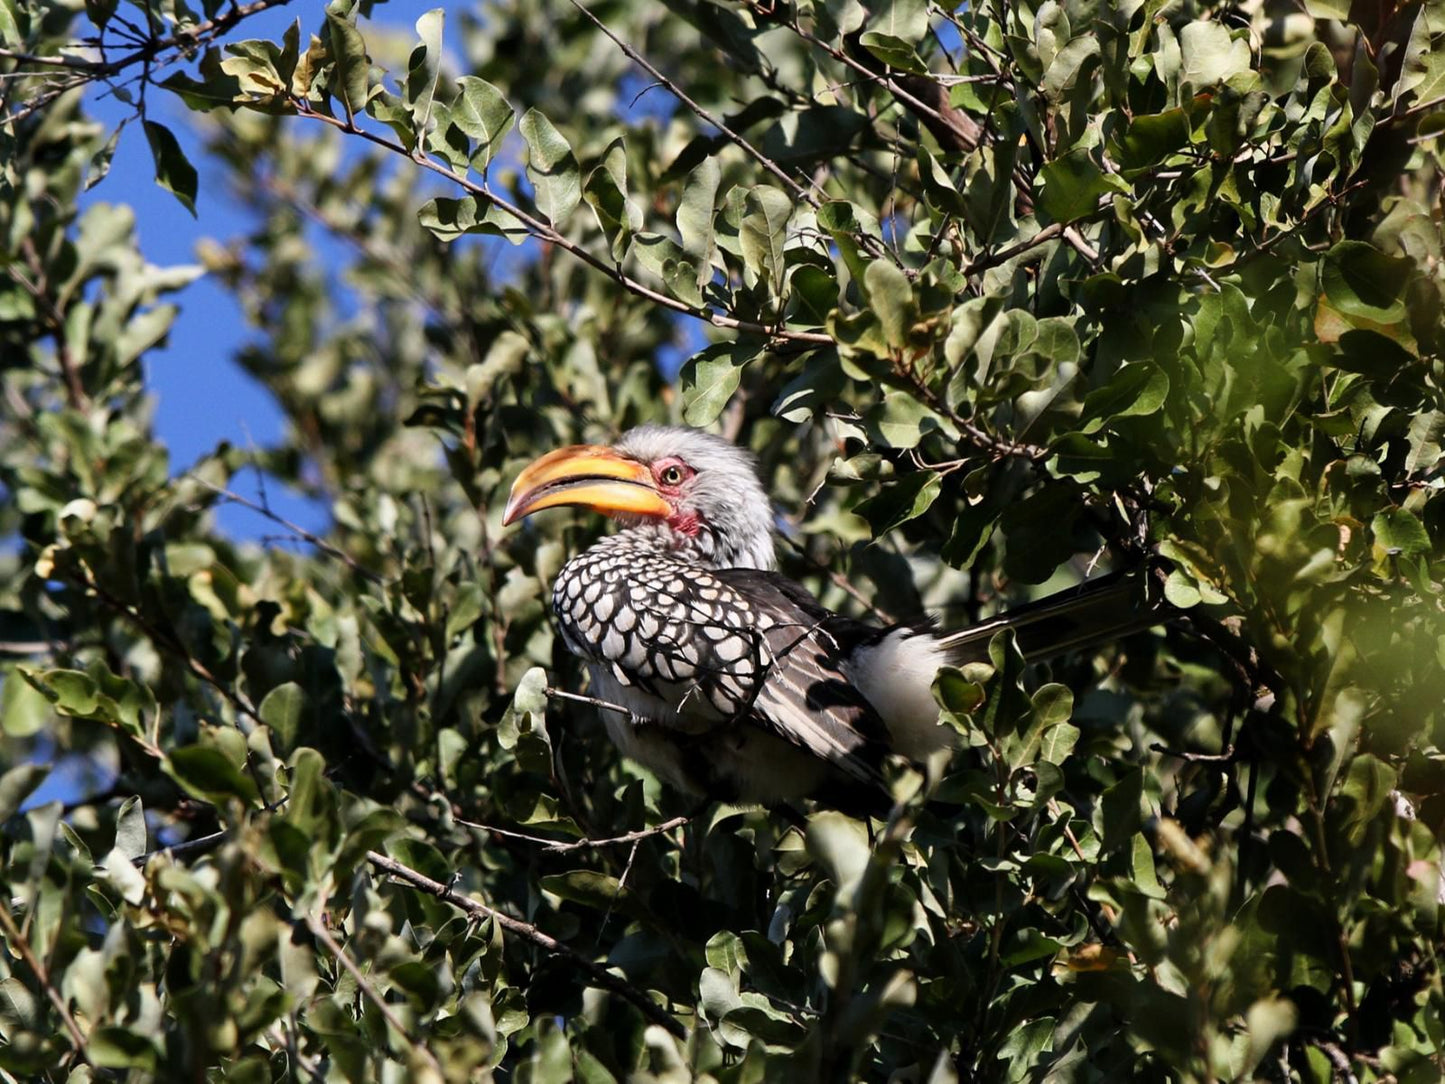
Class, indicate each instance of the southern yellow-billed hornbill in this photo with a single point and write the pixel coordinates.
(740, 685)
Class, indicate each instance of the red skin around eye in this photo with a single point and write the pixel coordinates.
(683, 521)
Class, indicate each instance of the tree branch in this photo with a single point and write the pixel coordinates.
(600, 976)
(90, 71)
(300, 532)
(556, 846)
(322, 934)
(544, 232)
(42, 975)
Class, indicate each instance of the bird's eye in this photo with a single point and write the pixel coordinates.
(670, 476)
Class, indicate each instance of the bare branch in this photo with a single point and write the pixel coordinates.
(544, 232)
(22, 949)
(166, 639)
(555, 846)
(148, 53)
(598, 974)
(798, 190)
(299, 531)
(322, 934)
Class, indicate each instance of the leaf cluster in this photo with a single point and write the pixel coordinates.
(997, 293)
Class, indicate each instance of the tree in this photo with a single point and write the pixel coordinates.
(998, 295)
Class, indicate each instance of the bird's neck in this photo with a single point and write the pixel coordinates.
(699, 544)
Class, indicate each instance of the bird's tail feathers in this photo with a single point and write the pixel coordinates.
(1096, 612)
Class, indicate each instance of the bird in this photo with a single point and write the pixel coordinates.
(727, 679)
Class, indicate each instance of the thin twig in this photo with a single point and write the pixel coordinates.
(300, 532)
(322, 934)
(555, 846)
(1003, 255)
(90, 71)
(167, 639)
(598, 974)
(42, 976)
(186, 848)
(286, 1040)
(1226, 757)
(717, 122)
(800, 191)
(544, 232)
(604, 705)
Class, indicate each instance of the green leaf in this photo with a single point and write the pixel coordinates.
(841, 845)
(1268, 1020)
(901, 421)
(956, 693)
(595, 890)
(282, 710)
(531, 692)
(1058, 742)
(447, 219)
(1368, 785)
(73, 692)
(890, 295)
(906, 499)
(665, 258)
(311, 799)
(726, 952)
(695, 218)
(1134, 391)
(174, 171)
(695, 210)
(606, 193)
(893, 51)
(353, 66)
(709, 380)
(101, 160)
(208, 773)
(763, 234)
(1362, 282)
(131, 838)
(118, 870)
(938, 187)
(424, 69)
(551, 167)
(1071, 186)
(905, 19)
(1119, 806)
(1025, 1043)
(17, 784)
(24, 709)
(1150, 138)
(483, 115)
(1072, 65)
(1141, 868)
(1211, 54)
(1400, 529)
(114, 1047)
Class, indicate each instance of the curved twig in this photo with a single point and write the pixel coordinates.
(598, 974)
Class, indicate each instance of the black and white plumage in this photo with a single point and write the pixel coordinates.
(738, 684)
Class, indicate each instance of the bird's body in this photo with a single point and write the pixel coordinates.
(735, 683)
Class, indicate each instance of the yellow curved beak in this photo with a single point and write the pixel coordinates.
(586, 475)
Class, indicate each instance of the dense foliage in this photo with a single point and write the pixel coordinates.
(998, 294)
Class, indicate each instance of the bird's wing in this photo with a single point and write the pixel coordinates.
(1098, 611)
(803, 693)
(723, 648)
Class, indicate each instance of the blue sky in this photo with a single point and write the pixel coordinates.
(202, 396)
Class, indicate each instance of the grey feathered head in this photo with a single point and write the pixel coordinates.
(691, 490)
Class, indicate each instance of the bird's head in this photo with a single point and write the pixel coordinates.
(693, 491)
